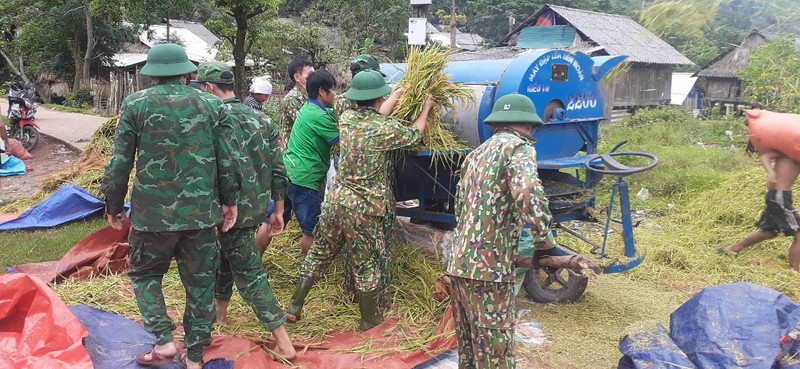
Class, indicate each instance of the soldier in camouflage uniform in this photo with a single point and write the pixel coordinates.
(499, 192)
(355, 209)
(358, 64)
(290, 107)
(262, 171)
(187, 179)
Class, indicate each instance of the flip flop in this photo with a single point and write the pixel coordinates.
(156, 359)
(725, 252)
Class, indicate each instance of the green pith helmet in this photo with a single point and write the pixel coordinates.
(214, 72)
(165, 60)
(367, 85)
(513, 108)
(368, 62)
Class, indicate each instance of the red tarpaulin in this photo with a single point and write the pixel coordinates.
(37, 330)
(104, 251)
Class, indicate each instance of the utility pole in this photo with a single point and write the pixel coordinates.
(453, 28)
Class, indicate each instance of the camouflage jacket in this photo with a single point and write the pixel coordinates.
(342, 104)
(363, 179)
(499, 192)
(183, 145)
(290, 107)
(261, 161)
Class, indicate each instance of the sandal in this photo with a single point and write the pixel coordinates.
(156, 359)
(185, 358)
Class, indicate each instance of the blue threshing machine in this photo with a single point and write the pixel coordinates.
(566, 89)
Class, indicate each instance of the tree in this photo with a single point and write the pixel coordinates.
(771, 78)
(241, 12)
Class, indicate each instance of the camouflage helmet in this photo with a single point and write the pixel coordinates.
(513, 108)
(166, 60)
(367, 85)
(365, 62)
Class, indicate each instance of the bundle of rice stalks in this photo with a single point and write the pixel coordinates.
(86, 173)
(424, 76)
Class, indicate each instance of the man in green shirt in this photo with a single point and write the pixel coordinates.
(263, 176)
(308, 154)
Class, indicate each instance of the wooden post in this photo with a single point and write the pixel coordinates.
(453, 28)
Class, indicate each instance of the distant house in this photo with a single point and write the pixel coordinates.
(464, 41)
(200, 44)
(646, 80)
(718, 82)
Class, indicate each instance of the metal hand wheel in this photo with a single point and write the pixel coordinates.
(614, 167)
(550, 285)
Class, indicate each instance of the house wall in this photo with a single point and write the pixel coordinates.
(722, 89)
(643, 85)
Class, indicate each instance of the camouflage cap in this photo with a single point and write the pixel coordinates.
(214, 72)
(513, 108)
(368, 62)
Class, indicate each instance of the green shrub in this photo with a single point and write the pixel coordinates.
(80, 98)
(661, 114)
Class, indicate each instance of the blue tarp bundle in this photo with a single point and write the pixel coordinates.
(738, 325)
(12, 167)
(114, 341)
(68, 204)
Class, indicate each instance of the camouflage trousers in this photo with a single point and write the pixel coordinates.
(362, 237)
(484, 318)
(240, 262)
(197, 254)
(385, 265)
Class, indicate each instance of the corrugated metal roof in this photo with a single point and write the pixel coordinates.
(197, 49)
(198, 29)
(618, 34)
(123, 60)
(553, 37)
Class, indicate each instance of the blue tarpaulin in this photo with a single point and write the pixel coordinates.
(738, 325)
(114, 341)
(68, 204)
(12, 167)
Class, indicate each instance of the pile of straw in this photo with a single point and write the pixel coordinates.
(423, 77)
(87, 173)
(328, 307)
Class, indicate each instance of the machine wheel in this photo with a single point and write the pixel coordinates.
(28, 137)
(546, 285)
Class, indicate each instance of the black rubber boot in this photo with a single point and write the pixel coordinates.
(368, 306)
(295, 307)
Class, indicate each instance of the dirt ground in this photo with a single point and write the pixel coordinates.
(50, 156)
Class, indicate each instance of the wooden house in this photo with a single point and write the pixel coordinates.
(646, 78)
(718, 83)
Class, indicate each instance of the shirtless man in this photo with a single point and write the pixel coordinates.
(779, 215)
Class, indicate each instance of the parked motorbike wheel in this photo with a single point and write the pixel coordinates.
(29, 137)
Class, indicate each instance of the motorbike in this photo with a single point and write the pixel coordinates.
(21, 114)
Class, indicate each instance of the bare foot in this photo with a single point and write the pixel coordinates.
(284, 348)
(222, 312)
(159, 355)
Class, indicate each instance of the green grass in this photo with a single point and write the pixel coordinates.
(21, 247)
(69, 109)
